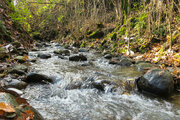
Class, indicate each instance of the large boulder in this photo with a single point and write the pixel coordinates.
(15, 108)
(156, 81)
(79, 57)
(37, 78)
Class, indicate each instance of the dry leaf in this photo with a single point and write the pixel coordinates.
(26, 57)
(175, 72)
(6, 108)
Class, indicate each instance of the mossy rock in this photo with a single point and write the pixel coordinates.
(19, 69)
(62, 52)
(96, 34)
(20, 59)
(3, 53)
(19, 112)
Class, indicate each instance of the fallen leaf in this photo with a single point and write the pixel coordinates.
(175, 72)
(27, 115)
(6, 108)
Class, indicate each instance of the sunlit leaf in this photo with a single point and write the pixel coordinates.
(175, 72)
(6, 108)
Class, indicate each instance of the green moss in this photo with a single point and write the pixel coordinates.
(83, 45)
(121, 31)
(96, 34)
(112, 36)
(103, 42)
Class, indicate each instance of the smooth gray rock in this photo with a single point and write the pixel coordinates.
(156, 81)
(83, 50)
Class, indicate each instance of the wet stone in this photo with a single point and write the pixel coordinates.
(108, 56)
(83, 50)
(77, 58)
(61, 57)
(62, 52)
(156, 81)
(37, 78)
(33, 60)
(14, 83)
(44, 56)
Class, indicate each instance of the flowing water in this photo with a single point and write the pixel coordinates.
(54, 102)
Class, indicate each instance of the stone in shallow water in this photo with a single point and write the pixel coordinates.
(37, 78)
(44, 56)
(14, 83)
(83, 50)
(62, 52)
(108, 56)
(79, 57)
(121, 62)
(156, 81)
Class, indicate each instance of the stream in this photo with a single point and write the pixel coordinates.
(54, 102)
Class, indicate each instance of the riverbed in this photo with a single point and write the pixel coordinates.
(55, 102)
